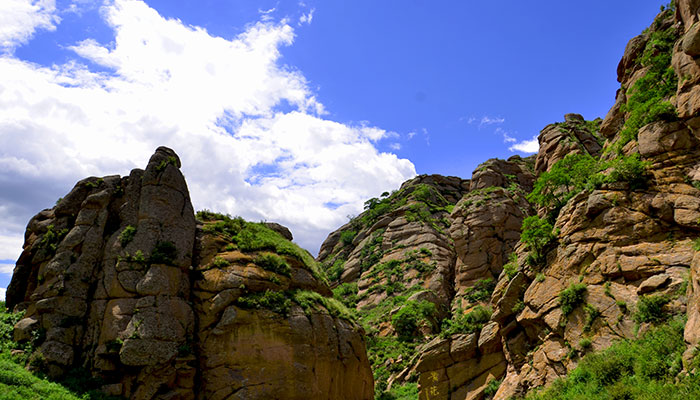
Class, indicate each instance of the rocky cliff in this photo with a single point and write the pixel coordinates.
(120, 279)
(537, 263)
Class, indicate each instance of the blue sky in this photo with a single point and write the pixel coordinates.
(289, 111)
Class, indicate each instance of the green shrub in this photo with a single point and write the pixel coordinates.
(540, 277)
(647, 368)
(309, 300)
(346, 237)
(220, 262)
(407, 391)
(410, 316)
(127, 235)
(163, 164)
(273, 262)
(591, 314)
(566, 178)
(512, 267)
(269, 299)
(163, 253)
(538, 234)
(469, 322)
(336, 270)
(648, 99)
(492, 387)
(584, 343)
(49, 242)
(651, 308)
(347, 294)
(481, 291)
(630, 169)
(571, 297)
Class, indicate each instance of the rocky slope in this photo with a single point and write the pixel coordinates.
(543, 261)
(120, 279)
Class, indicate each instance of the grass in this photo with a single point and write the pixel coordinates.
(16, 383)
(571, 297)
(646, 368)
(252, 236)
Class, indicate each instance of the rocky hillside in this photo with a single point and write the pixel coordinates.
(447, 288)
(120, 280)
(536, 263)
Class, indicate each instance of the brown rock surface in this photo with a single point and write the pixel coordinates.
(117, 280)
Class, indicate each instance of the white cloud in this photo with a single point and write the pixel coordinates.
(486, 120)
(307, 18)
(6, 268)
(3, 291)
(526, 146)
(214, 101)
(395, 146)
(19, 19)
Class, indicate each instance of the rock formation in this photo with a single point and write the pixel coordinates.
(120, 279)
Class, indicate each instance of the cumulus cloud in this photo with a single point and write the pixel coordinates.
(19, 19)
(526, 146)
(3, 292)
(216, 102)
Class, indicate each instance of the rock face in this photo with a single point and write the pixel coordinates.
(522, 318)
(119, 279)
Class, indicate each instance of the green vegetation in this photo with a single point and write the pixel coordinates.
(388, 355)
(251, 236)
(93, 184)
(127, 235)
(408, 391)
(571, 297)
(511, 268)
(347, 294)
(49, 242)
(648, 99)
(538, 234)
(271, 300)
(481, 291)
(409, 317)
(591, 314)
(462, 322)
(309, 300)
(163, 164)
(578, 172)
(644, 369)
(492, 388)
(651, 308)
(163, 253)
(346, 237)
(16, 383)
(274, 263)
(220, 262)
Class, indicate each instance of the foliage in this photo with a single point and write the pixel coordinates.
(407, 391)
(630, 169)
(462, 322)
(591, 314)
(481, 291)
(336, 270)
(564, 180)
(648, 99)
(346, 237)
(49, 242)
(492, 387)
(309, 300)
(387, 355)
(410, 316)
(269, 300)
(16, 383)
(273, 262)
(571, 297)
(127, 235)
(220, 262)
(537, 233)
(347, 294)
(696, 244)
(651, 308)
(163, 253)
(163, 164)
(646, 368)
(584, 343)
(251, 236)
(511, 268)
